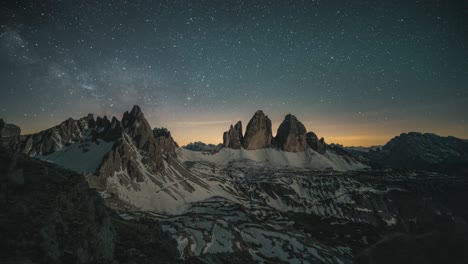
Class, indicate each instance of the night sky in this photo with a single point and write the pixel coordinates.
(355, 72)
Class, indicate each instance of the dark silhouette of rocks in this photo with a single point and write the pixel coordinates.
(233, 138)
(50, 215)
(291, 135)
(8, 133)
(314, 143)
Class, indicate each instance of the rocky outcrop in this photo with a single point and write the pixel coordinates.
(50, 215)
(233, 138)
(138, 149)
(258, 133)
(291, 135)
(425, 151)
(138, 128)
(124, 157)
(165, 141)
(314, 143)
(8, 133)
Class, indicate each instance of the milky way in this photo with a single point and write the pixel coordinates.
(356, 72)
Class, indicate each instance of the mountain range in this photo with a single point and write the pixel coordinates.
(291, 198)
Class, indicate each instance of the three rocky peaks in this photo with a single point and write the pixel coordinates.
(291, 136)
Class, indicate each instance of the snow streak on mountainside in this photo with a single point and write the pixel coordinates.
(144, 168)
(305, 216)
(272, 203)
(308, 159)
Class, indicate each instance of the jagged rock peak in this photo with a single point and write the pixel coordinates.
(137, 127)
(161, 132)
(115, 122)
(291, 135)
(233, 138)
(165, 141)
(136, 111)
(102, 121)
(314, 143)
(130, 118)
(258, 133)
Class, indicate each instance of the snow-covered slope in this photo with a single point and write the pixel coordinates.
(273, 206)
(83, 156)
(308, 159)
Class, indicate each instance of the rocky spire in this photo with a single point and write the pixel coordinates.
(314, 143)
(125, 154)
(107, 130)
(136, 126)
(291, 135)
(258, 133)
(233, 138)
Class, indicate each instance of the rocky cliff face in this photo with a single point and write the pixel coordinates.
(8, 133)
(164, 139)
(233, 138)
(140, 149)
(314, 143)
(291, 135)
(50, 215)
(258, 134)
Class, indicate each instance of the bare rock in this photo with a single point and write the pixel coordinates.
(233, 138)
(165, 141)
(53, 139)
(258, 133)
(316, 144)
(291, 135)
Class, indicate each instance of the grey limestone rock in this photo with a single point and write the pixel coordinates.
(258, 133)
(291, 135)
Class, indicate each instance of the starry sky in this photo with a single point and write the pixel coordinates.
(355, 72)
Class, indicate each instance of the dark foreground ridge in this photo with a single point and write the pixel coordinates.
(50, 215)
